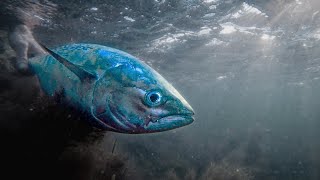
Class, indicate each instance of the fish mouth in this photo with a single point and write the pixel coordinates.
(176, 118)
(114, 121)
(169, 122)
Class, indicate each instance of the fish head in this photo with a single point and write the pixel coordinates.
(134, 98)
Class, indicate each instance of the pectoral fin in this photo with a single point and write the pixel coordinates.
(80, 72)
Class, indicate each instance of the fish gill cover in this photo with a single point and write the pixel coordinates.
(250, 68)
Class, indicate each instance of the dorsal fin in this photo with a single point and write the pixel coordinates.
(81, 73)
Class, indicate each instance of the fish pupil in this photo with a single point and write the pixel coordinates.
(154, 98)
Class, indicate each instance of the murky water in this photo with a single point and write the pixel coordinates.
(250, 69)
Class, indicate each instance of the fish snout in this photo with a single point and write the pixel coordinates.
(188, 111)
(180, 108)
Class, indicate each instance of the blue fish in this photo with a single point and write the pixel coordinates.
(119, 92)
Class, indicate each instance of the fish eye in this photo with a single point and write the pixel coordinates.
(153, 98)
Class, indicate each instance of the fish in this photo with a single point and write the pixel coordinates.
(117, 91)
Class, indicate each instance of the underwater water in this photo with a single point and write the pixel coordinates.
(250, 70)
